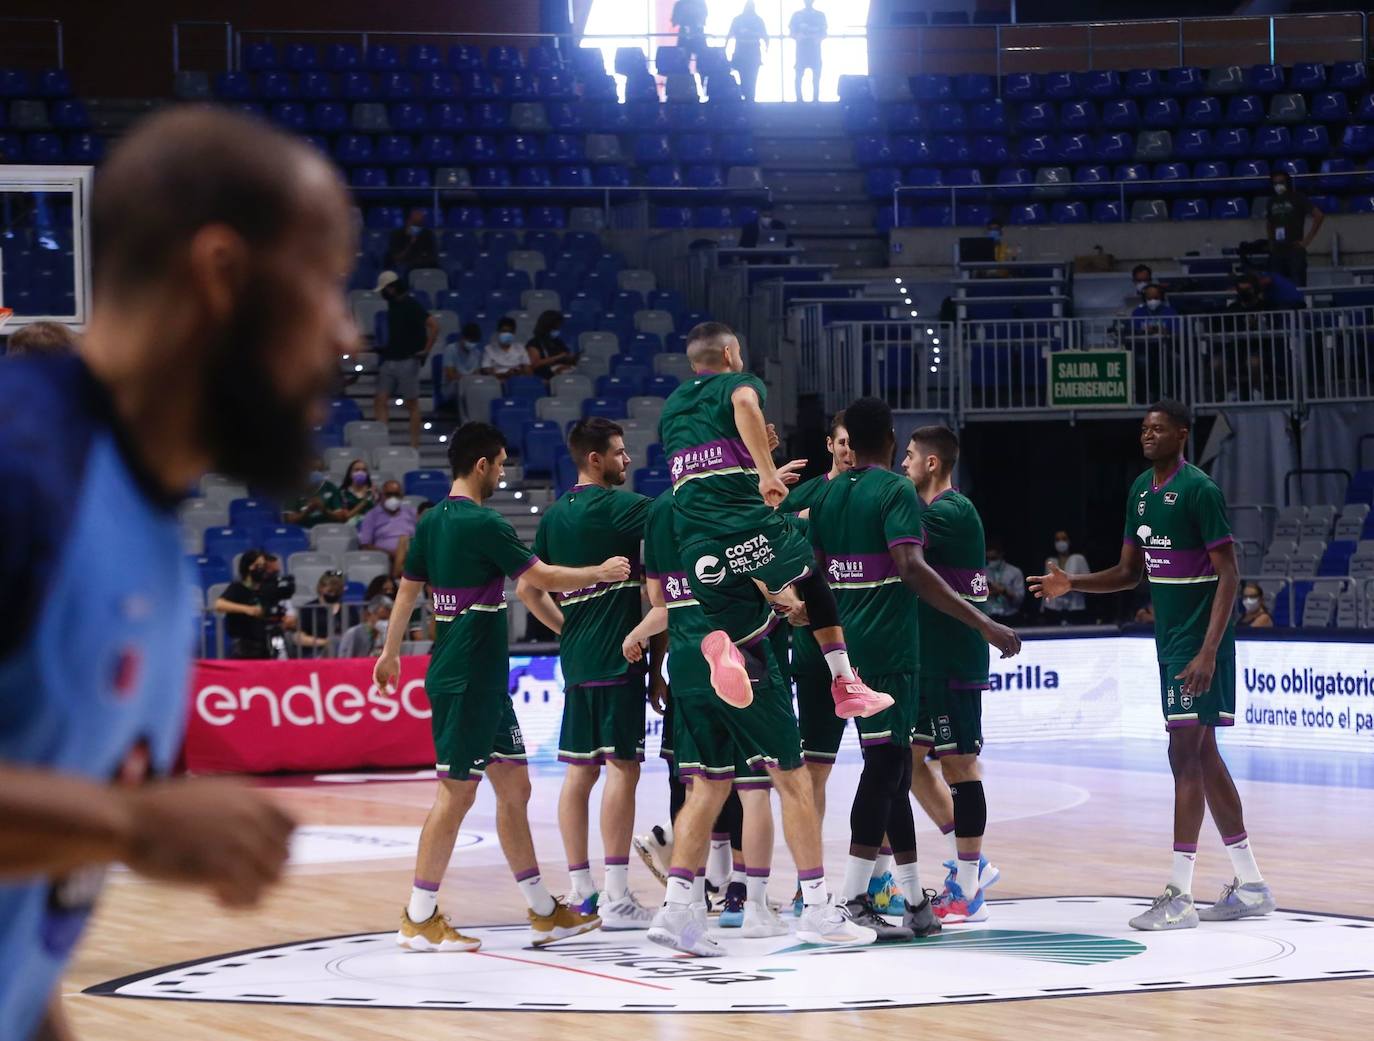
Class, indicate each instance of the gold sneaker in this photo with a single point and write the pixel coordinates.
(559, 924)
(435, 933)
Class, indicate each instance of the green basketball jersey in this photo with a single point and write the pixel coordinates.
(584, 527)
(863, 514)
(807, 659)
(805, 495)
(1176, 524)
(715, 482)
(956, 551)
(687, 624)
(465, 552)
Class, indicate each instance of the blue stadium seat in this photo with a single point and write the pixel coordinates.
(1078, 115)
(1021, 86)
(1038, 150)
(672, 217)
(505, 217)
(1348, 75)
(663, 175)
(1027, 213)
(871, 151)
(285, 539)
(1143, 83)
(523, 148)
(1257, 172)
(1212, 169)
(1132, 173)
(394, 149)
(226, 543)
(1035, 116)
(613, 176)
(931, 87)
(948, 116)
(546, 217)
(211, 569)
(653, 148)
(736, 150)
(1362, 204)
(973, 86)
(1296, 168)
(1121, 114)
(933, 217)
(1311, 140)
(1266, 79)
(1272, 142)
(1160, 114)
(382, 57)
(951, 148)
(904, 150)
(990, 150)
(276, 86)
(546, 58)
(533, 176)
(1190, 209)
(316, 86)
(903, 117)
(1307, 76)
(1115, 147)
(1245, 110)
(572, 176)
(695, 148)
(1108, 211)
(342, 57)
(1232, 142)
(435, 86)
(291, 115)
(234, 86)
(1330, 108)
(988, 116)
(329, 117)
(447, 115)
(424, 57)
(397, 86)
(438, 150)
(1193, 143)
(357, 86)
(541, 446)
(1059, 86)
(1358, 139)
(607, 408)
(302, 57)
(85, 149)
(368, 177)
(1337, 175)
(260, 57)
(479, 148)
(489, 115)
(1177, 174)
(863, 117)
(1069, 213)
(504, 59)
(1013, 182)
(43, 148)
(1230, 207)
(1074, 148)
(1202, 112)
(1089, 178)
(565, 116)
(476, 85)
(1102, 84)
(464, 57)
(509, 415)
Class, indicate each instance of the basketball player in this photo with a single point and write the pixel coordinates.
(464, 552)
(221, 250)
(714, 745)
(954, 674)
(725, 490)
(1178, 532)
(868, 529)
(603, 708)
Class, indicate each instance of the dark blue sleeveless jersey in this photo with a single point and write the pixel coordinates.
(95, 636)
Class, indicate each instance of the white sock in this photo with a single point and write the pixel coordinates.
(667, 830)
(536, 896)
(882, 865)
(966, 874)
(737, 874)
(617, 881)
(953, 842)
(756, 888)
(1182, 876)
(580, 880)
(423, 903)
(909, 879)
(679, 890)
(719, 861)
(1243, 859)
(857, 872)
(814, 890)
(838, 660)
(699, 889)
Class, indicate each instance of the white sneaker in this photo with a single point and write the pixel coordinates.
(655, 848)
(761, 921)
(625, 913)
(682, 929)
(828, 925)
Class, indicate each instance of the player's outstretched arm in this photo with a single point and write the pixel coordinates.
(753, 431)
(554, 578)
(923, 580)
(207, 832)
(1124, 575)
(541, 605)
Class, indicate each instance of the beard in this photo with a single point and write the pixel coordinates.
(253, 432)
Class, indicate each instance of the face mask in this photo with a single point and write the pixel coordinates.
(1061, 547)
(1250, 602)
(331, 598)
(995, 236)
(1280, 189)
(505, 338)
(316, 478)
(1140, 287)
(381, 625)
(257, 574)
(392, 503)
(1153, 305)
(360, 477)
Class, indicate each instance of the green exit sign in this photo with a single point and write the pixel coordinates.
(1090, 379)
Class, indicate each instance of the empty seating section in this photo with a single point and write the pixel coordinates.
(1200, 143)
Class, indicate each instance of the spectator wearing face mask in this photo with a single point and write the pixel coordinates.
(462, 357)
(1071, 608)
(365, 639)
(503, 356)
(357, 495)
(389, 527)
(1256, 614)
(1154, 333)
(1006, 585)
(319, 503)
(323, 619)
(413, 245)
(1289, 236)
(548, 354)
(1154, 315)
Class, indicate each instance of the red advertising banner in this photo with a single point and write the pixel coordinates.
(323, 714)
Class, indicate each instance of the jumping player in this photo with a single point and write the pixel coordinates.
(954, 673)
(1178, 533)
(716, 744)
(603, 708)
(464, 552)
(867, 529)
(725, 491)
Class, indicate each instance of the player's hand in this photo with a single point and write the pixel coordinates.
(792, 605)
(658, 694)
(613, 569)
(1004, 639)
(387, 672)
(632, 649)
(1197, 674)
(1056, 583)
(773, 439)
(772, 489)
(207, 832)
(790, 472)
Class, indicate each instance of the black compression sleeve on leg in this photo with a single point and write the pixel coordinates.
(879, 786)
(970, 809)
(901, 824)
(730, 819)
(677, 794)
(820, 602)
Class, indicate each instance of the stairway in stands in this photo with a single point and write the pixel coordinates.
(818, 191)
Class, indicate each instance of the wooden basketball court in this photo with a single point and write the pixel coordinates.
(1084, 821)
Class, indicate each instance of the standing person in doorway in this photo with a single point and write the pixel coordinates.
(411, 331)
(808, 27)
(1286, 223)
(751, 41)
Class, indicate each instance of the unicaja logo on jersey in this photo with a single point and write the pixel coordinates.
(1144, 532)
(980, 584)
(710, 570)
(673, 588)
(834, 570)
(677, 467)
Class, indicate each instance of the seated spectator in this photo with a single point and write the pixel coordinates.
(248, 605)
(503, 357)
(462, 357)
(548, 354)
(412, 245)
(1154, 336)
(764, 230)
(319, 504)
(323, 620)
(365, 639)
(1071, 608)
(381, 585)
(1141, 276)
(40, 338)
(1152, 317)
(390, 527)
(1006, 585)
(1256, 614)
(357, 495)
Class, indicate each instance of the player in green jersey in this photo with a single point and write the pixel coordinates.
(718, 745)
(603, 706)
(725, 493)
(464, 553)
(1177, 533)
(954, 674)
(868, 532)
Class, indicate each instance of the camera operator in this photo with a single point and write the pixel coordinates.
(255, 607)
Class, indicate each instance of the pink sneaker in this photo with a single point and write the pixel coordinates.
(729, 677)
(853, 697)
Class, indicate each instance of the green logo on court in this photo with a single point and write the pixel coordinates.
(1061, 948)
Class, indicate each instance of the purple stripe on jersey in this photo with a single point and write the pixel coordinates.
(724, 454)
(636, 572)
(1223, 541)
(912, 539)
(460, 498)
(450, 603)
(966, 581)
(525, 566)
(676, 587)
(768, 630)
(1178, 563)
(860, 567)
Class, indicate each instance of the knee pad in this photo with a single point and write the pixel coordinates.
(821, 609)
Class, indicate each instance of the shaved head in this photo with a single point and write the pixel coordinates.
(709, 347)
